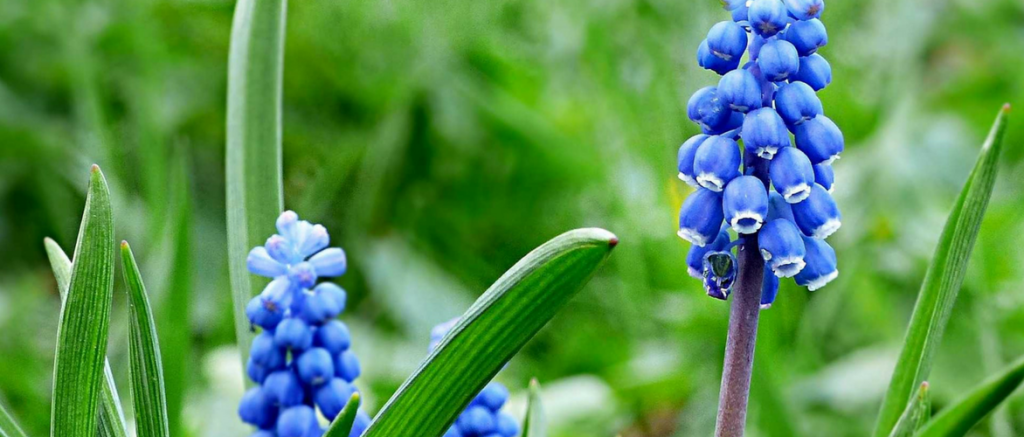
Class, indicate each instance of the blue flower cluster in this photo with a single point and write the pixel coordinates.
(483, 417)
(776, 187)
(301, 360)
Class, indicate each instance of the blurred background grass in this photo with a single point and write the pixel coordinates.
(440, 141)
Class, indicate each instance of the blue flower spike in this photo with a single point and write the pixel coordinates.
(301, 360)
(483, 417)
(717, 162)
(763, 164)
(767, 17)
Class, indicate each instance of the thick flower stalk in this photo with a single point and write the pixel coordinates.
(301, 360)
(483, 417)
(761, 170)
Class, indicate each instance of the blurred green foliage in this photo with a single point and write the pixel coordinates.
(440, 141)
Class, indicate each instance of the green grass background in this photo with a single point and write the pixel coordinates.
(440, 141)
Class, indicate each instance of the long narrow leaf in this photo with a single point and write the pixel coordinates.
(957, 419)
(535, 424)
(85, 320)
(144, 349)
(111, 416)
(253, 158)
(342, 425)
(511, 312)
(918, 412)
(8, 427)
(942, 282)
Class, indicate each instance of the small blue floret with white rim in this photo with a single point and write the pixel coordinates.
(763, 165)
(301, 360)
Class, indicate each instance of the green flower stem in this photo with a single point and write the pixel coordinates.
(739, 346)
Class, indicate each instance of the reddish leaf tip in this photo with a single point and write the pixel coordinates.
(1006, 108)
(95, 168)
(613, 242)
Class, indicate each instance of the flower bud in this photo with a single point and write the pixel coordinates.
(298, 421)
(797, 102)
(507, 426)
(332, 397)
(727, 40)
(782, 247)
(333, 336)
(821, 265)
(778, 208)
(695, 257)
(767, 17)
(778, 60)
(493, 396)
(792, 174)
(745, 203)
(825, 176)
(701, 217)
(315, 366)
(735, 121)
(687, 152)
(318, 306)
(476, 421)
(814, 71)
(805, 9)
(765, 133)
(717, 162)
(709, 61)
(261, 263)
(707, 109)
(820, 139)
(329, 262)
(293, 334)
(740, 90)
(767, 87)
(756, 44)
(284, 388)
(257, 409)
(769, 288)
(346, 366)
(818, 216)
(720, 269)
(265, 353)
(807, 36)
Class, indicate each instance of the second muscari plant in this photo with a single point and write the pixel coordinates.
(761, 169)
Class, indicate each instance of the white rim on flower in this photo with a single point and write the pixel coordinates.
(822, 281)
(689, 180)
(766, 152)
(693, 236)
(831, 159)
(830, 227)
(797, 193)
(740, 222)
(787, 267)
(711, 182)
(766, 255)
(694, 273)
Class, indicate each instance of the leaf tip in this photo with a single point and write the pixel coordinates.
(354, 398)
(614, 241)
(124, 245)
(534, 383)
(95, 168)
(1006, 108)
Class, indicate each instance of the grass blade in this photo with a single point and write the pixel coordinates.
(501, 321)
(535, 424)
(8, 427)
(960, 417)
(144, 349)
(942, 282)
(85, 320)
(253, 156)
(918, 412)
(111, 417)
(342, 425)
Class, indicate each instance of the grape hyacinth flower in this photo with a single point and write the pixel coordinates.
(762, 171)
(301, 360)
(483, 417)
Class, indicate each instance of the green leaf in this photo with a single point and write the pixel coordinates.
(535, 424)
(253, 156)
(342, 425)
(85, 320)
(490, 333)
(957, 419)
(8, 427)
(111, 417)
(144, 349)
(918, 411)
(942, 282)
